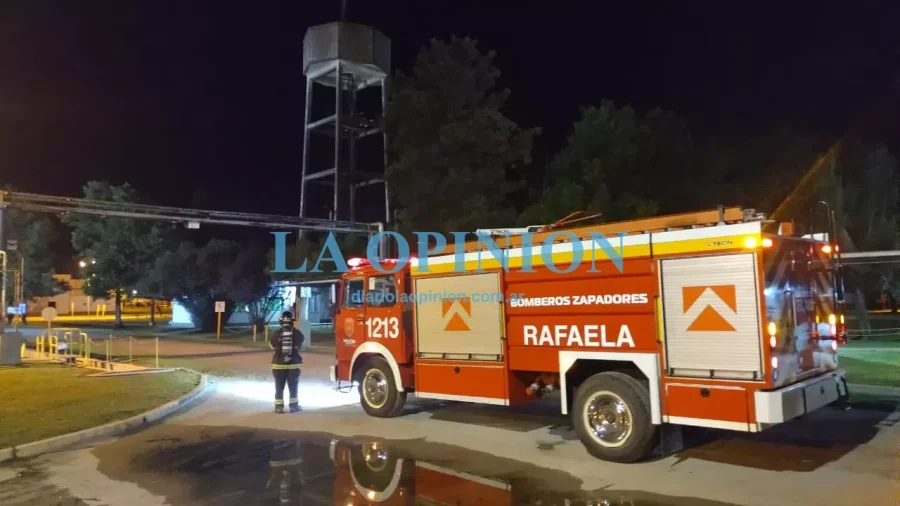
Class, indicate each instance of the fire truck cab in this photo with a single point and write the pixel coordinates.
(707, 320)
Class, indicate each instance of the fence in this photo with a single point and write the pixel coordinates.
(78, 347)
(875, 334)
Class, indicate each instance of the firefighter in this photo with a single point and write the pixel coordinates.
(286, 360)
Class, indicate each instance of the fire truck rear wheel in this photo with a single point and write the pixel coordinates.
(378, 392)
(611, 415)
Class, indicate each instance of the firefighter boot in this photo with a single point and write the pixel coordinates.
(279, 407)
(295, 408)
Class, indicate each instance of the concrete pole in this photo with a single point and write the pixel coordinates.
(3, 247)
(3, 293)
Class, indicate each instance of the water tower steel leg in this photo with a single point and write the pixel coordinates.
(307, 117)
(352, 160)
(338, 87)
(384, 136)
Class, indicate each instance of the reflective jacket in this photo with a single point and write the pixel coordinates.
(286, 345)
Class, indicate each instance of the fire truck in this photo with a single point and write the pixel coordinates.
(719, 319)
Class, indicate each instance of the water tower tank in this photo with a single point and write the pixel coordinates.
(363, 51)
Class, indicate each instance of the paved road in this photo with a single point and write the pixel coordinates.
(229, 449)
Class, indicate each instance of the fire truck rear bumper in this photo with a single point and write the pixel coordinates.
(798, 399)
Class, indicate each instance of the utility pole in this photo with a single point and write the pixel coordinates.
(21, 294)
(3, 292)
(3, 252)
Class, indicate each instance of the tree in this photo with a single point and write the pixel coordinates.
(261, 309)
(35, 236)
(620, 164)
(247, 282)
(122, 249)
(454, 154)
(198, 276)
(862, 186)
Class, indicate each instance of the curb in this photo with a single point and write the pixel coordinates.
(112, 428)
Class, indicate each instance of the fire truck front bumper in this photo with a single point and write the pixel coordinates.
(798, 399)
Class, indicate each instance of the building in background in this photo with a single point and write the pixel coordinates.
(73, 301)
(316, 301)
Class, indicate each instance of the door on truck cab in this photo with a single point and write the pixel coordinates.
(383, 321)
(349, 321)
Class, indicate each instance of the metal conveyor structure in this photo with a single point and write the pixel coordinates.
(64, 205)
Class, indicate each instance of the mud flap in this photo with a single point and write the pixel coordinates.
(671, 440)
(844, 395)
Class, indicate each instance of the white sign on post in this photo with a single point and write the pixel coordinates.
(49, 314)
(12, 245)
(220, 306)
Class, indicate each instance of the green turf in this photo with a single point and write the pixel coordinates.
(41, 401)
(872, 369)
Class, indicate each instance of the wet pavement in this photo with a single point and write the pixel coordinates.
(234, 466)
(229, 448)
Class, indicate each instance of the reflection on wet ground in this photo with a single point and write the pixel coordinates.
(230, 466)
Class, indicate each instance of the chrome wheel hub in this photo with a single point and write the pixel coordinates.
(376, 456)
(608, 418)
(375, 388)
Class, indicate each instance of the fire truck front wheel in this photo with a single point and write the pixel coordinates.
(611, 415)
(378, 392)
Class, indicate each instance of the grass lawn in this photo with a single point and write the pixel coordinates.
(872, 362)
(41, 401)
(872, 368)
(200, 364)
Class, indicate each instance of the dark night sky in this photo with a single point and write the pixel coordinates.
(178, 96)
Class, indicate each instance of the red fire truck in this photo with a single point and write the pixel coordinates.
(714, 321)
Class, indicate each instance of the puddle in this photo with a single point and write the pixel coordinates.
(224, 466)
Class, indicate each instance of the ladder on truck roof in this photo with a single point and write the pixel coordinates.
(720, 216)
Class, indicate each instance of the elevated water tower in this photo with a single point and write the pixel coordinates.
(348, 58)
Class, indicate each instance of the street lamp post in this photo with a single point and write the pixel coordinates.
(3, 294)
